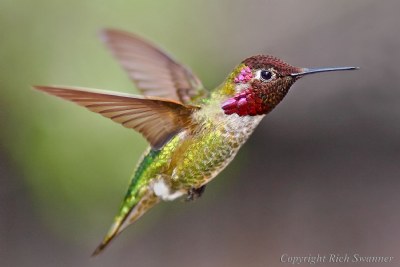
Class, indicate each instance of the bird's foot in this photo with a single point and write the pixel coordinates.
(195, 193)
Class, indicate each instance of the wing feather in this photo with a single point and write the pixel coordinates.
(155, 118)
(153, 71)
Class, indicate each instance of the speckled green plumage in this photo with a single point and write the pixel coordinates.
(192, 158)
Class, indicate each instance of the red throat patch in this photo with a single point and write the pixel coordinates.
(245, 104)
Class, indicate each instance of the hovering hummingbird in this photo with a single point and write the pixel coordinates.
(193, 133)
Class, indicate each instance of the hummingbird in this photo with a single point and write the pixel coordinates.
(194, 133)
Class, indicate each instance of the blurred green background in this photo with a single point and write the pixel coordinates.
(320, 174)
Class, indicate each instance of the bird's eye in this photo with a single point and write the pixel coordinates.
(266, 75)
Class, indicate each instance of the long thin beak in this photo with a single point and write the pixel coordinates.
(306, 71)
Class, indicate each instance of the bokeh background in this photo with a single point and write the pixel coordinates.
(321, 174)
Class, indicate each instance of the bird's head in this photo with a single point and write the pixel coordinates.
(260, 82)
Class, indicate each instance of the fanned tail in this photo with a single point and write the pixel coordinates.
(127, 216)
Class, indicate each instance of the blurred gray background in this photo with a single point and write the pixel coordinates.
(321, 174)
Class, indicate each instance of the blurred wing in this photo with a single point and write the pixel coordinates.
(156, 119)
(152, 70)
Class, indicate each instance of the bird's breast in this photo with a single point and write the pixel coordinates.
(210, 146)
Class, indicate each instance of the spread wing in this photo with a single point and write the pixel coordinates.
(152, 70)
(155, 118)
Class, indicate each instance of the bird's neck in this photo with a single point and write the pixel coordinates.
(212, 111)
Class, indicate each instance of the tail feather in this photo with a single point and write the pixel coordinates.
(148, 200)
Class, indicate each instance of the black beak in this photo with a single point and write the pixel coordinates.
(306, 71)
